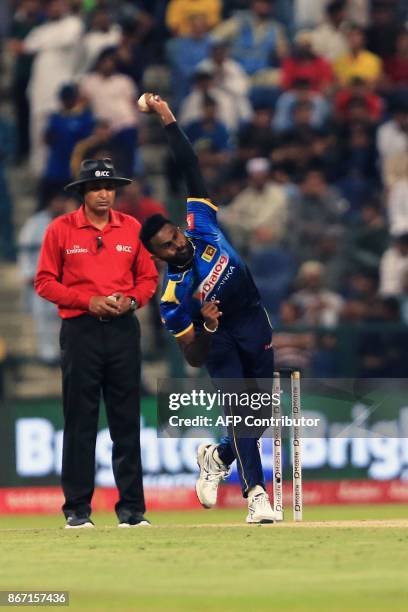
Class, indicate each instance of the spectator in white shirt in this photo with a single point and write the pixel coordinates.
(318, 305)
(232, 110)
(392, 136)
(228, 74)
(54, 45)
(102, 34)
(398, 207)
(113, 98)
(328, 39)
(45, 314)
(394, 267)
(397, 198)
(258, 215)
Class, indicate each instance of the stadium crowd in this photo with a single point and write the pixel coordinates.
(298, 112)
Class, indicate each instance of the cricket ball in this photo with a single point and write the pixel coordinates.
(142, 104)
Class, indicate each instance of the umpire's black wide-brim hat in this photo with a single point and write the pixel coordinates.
(92, 170)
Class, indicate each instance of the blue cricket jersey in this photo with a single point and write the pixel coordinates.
(216, 273)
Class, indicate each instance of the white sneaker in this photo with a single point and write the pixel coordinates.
(211, 474)
(259, 508)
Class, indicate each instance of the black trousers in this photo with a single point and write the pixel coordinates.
(101, 358)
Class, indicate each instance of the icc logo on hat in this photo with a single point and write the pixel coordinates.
(96, 170)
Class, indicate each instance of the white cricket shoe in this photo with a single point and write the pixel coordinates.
(259, 507)
(211, 474)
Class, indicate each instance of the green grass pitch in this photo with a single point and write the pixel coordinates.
(340, 558)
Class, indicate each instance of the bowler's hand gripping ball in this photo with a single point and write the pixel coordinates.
(142, 104)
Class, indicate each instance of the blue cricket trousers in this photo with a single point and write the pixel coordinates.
(241, 349)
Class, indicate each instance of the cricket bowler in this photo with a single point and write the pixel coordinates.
(212, 307)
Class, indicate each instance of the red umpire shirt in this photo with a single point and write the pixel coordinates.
(79, 261)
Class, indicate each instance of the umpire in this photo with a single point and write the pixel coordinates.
(94, 267)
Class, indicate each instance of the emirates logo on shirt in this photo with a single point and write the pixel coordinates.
(75, 250)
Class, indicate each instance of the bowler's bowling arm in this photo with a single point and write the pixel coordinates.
(181, 148)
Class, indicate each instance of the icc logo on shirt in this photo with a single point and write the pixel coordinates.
(123, 248)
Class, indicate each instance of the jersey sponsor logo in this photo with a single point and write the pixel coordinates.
(212, 278)
(209, 253)
(123, 248)
(75, 249)
(190, 221)
(102, 173)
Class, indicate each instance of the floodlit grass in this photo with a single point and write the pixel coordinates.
(211, 561)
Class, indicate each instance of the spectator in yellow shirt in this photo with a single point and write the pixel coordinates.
(358, 62)
(179, 13)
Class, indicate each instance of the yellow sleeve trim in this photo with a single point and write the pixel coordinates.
(208, 202)
(184, 331)
(170, 293)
